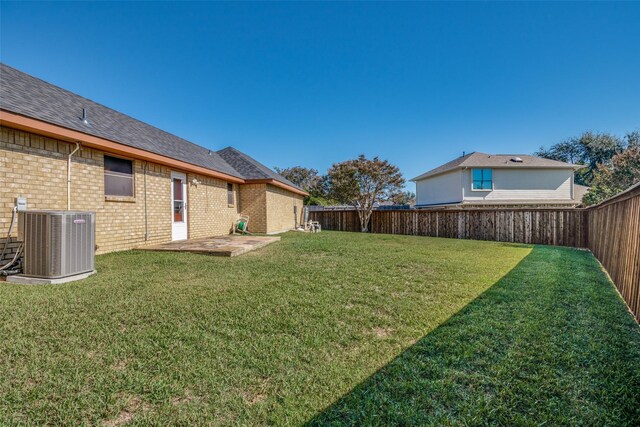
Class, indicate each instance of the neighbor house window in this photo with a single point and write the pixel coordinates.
(118, 177)
(230, 200)
(482, 179)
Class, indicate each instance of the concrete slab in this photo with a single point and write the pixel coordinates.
(26, 280)
(227, 246)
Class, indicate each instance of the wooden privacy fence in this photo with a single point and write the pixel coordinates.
(566, 227)
(611, 230)
(614, 238)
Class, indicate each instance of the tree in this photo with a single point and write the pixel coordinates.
(633, 139)
(403, 198)
(610, 179)
(305, 178)
(309, 180)
(363, 182)
(590, 149)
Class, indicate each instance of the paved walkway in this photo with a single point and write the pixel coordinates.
(219, 245)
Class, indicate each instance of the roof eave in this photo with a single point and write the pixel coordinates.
(567, 166)
(277, 184)
(426, 175)
(17, 121)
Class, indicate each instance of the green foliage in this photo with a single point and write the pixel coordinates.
(612, 163)
(590, 149)
(363, 182)
(305, 178)
(633, 139)
(403, 198)
(328, 329)
(309, 180)
(621, 173)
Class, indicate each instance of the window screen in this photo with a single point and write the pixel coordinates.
(118, 176)
(482, 179)
(230, 199)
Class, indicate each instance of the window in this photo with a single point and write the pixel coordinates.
(178, 200)
(118, 177)
(230, 200)
(482, 179)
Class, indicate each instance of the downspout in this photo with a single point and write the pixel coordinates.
(69, 175)
(146, 224)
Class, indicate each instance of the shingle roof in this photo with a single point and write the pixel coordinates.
(249, 167)
(26, 95)
(483, 160)
(579, 191)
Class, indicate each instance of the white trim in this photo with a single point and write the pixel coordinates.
(179, 230)
(471, 169)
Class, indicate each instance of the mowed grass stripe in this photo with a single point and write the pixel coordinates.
(329, 328)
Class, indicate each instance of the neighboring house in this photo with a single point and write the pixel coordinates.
(145, 185)
(479, 180)
(579, 192)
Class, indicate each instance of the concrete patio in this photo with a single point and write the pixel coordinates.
(218, 246)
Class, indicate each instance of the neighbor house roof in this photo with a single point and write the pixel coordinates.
(28, 96)
(579, 191)
(483, 160)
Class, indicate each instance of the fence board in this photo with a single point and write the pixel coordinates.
(549, 227)
(614, 238)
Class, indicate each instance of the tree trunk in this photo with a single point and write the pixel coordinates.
(364, 216)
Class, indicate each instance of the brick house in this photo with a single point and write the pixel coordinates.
(146, 186)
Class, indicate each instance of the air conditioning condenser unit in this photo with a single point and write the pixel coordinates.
(57, 244)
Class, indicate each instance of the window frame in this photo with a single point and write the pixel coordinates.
(231, 196)
(482, 181)
(117, 197)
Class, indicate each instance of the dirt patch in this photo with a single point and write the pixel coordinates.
(381, 332)
(187, 398)
(30, 384)
(253, 398)
(119, 366)
(256, 394)
(134, 407)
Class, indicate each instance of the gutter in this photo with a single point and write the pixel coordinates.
(277, 183)
(439, 204)
(28, 124)
(574, 167)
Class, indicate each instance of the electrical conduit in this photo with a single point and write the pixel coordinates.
(69, 175)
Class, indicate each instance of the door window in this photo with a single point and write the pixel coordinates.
(178, 201)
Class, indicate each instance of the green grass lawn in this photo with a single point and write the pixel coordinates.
(330, 328)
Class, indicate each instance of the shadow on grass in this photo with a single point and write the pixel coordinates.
(550, 342)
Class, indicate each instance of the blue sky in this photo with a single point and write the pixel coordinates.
(315, 83)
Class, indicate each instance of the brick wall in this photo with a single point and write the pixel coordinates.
(35, 167)
(253, 202)
(281, 215)
(208, 211)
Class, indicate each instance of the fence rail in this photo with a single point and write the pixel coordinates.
(614, 238)
(611, 230)
(567, 227)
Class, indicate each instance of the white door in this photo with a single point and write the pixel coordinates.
(178, 206)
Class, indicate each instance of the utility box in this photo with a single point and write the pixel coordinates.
(21, 204)
(58, 244)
